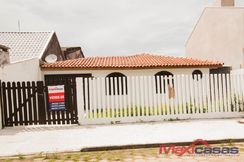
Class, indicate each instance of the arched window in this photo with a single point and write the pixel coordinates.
(114, 84)
(163, 74)
(196, 73)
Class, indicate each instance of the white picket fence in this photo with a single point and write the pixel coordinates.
(150, 98)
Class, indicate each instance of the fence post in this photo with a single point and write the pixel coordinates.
(80, 99)
(41, 103)
(1, 123)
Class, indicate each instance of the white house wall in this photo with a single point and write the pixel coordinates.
(101, 74)
(28, 70)
(139, 72)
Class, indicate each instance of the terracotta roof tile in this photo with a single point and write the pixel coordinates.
(134, 61)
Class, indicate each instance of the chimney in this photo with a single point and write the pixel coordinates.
(225, 3)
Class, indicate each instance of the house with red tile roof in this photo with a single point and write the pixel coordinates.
(38, 56)
(123, 66)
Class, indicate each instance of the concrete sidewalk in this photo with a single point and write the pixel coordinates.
(37, 139)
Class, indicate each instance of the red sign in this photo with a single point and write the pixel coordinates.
(56, 99)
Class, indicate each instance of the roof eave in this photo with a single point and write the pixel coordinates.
(129, 68)
(46, 44)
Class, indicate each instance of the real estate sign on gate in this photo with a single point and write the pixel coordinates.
(56, 99)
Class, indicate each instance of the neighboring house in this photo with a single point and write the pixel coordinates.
(72, 52)
(219, 35)
(4, 55)
(27, 51)
(123, 66)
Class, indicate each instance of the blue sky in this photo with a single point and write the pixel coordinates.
(109, 27)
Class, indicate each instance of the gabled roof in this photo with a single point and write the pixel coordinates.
(25, 45)
(134, 61)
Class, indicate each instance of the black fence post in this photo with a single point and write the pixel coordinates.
(41, 103)
(1, 107)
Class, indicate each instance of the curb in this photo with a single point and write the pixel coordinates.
(141, 146)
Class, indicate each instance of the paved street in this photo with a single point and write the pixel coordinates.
(130, 155)
(36, 139)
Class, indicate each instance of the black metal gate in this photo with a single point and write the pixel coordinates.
(26, 103)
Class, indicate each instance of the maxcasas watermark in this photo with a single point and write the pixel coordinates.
(198, 147)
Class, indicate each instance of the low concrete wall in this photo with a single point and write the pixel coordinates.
(28, 70)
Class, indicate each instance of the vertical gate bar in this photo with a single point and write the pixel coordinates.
(166, 88)
(10, 117)
(129, 91)
(238, 91)
(171, 94)
(75, 102)
(15, 110)
(179, 93)
(216, 93)
(86, 97)
(200, 93)
(71, 105)
(196, 94)
(125, 93)
(29, 103)
(41, 103)
(34, 92)
(204, 88)
(48, 116)
(183, 92)
(94, 96)
(58, 112)
(158, 95)
(241, 91)
(20, 103)
(102, 85)
(138, 95)
(220, 81)
(208, 93)
(116, 94)
(80, 99)
(228, 93)
(142, 99)
(212, 92)
(188, 95)
(146, 87)
(225, 105)
(150, 93)
(163, 96)
(5, 108)
(1, 107)
(111, 91)
(121, 94)
(133, 96)
(176, 99)
(192, 96)
(24, 103)
(90, 90)
(61, 115)
(99, 98)
(107, 81)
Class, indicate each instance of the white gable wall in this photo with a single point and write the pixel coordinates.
(219, 35)
(28, 70)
